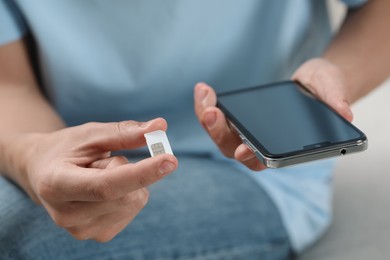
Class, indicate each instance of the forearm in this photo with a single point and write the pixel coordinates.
(361, 48)
(23, 110)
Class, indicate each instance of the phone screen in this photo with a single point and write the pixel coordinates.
(283, 118)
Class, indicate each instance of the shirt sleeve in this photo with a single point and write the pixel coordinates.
(12, 26)
(354, 3)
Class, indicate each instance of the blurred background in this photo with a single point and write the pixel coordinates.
(361, 225)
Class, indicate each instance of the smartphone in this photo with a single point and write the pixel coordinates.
(284, 124)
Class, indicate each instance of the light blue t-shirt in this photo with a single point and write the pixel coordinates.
(116, 60)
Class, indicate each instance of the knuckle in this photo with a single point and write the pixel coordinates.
(120, 159)
(102, 191)
(61, 220)
(116, 161)
(89, 129)
(66, 215)
(46, 189)
(79, 236)
(143, 181)
(121, 128)
(144, 196)
(43, 190)
(125, 200)
(58, 220)
(79, 233)
(90, 125)
(141, 198)
(104, 238)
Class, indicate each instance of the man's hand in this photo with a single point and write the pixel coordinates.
(324, 79)
(327, 82)
(90, 193)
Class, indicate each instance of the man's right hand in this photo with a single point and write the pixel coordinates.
(90, 193)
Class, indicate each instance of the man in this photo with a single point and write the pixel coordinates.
(138, 60)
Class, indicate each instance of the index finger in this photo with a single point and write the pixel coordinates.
(118, 135)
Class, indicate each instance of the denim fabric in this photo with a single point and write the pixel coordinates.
(205, 210)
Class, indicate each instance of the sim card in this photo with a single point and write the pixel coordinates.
(158, 143)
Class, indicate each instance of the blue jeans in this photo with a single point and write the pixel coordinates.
(205, 210)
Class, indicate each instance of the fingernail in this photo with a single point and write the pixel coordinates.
(210, 119)
(201, 94)
(166, 167)
(349, 114)
(348, 111)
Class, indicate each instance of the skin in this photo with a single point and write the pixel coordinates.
(94, 195)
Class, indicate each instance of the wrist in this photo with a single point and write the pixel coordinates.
(17, 151)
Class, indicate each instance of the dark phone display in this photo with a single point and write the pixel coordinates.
(281, 118)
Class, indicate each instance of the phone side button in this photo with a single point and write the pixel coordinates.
(249, 145)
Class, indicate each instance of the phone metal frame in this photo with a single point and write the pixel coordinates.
(334, 151)
(307, 156)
